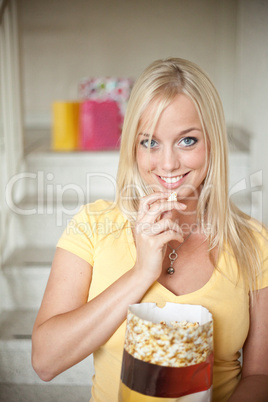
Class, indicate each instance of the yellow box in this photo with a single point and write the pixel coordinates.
(65, 132)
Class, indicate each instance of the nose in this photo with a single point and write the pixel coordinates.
(170, 160)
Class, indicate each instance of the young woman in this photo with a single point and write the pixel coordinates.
(115, 254)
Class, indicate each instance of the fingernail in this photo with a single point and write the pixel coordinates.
(183, 206)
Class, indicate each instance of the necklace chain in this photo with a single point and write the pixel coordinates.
(173, 255)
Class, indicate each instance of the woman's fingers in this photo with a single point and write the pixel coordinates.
(156, 228)
(153, 206)
(147, 202)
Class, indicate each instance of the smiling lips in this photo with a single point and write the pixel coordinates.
(172, 180)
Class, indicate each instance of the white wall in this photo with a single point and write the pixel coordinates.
(65, 40)
(251, 98)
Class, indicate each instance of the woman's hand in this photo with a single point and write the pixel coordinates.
(153, 230)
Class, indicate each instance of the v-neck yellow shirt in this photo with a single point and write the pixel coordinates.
(102, 236)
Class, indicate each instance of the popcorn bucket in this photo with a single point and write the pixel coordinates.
(168, 354)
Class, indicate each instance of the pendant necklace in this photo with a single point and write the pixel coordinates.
(173, 255)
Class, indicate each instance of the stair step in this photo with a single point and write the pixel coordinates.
(84, 172)
(23, 278)
(41, 222)
(42, 229)
(43, 156)
(10, 392)
(15, 351)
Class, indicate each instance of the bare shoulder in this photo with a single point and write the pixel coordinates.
(68, 285)
(255, 351)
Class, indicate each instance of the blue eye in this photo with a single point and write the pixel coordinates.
(188, 141)
(145, 143)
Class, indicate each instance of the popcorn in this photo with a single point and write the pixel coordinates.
(182, 324)
(177, 344)
(172, 197)
(168, 353)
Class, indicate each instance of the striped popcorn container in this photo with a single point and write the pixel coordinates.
(168, 354)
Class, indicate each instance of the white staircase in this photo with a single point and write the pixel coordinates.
(56, 188)
(57, 184)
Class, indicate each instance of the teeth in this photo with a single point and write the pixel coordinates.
(171, 180)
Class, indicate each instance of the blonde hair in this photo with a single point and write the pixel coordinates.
(163, 80)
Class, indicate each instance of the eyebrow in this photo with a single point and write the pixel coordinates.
(144, 134)
(183, 132)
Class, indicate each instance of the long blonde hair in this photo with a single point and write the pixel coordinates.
(164, 79)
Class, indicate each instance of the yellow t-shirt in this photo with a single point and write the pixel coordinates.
(102, 236)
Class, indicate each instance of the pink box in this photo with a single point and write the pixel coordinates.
(99, 125)
(107, 88)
